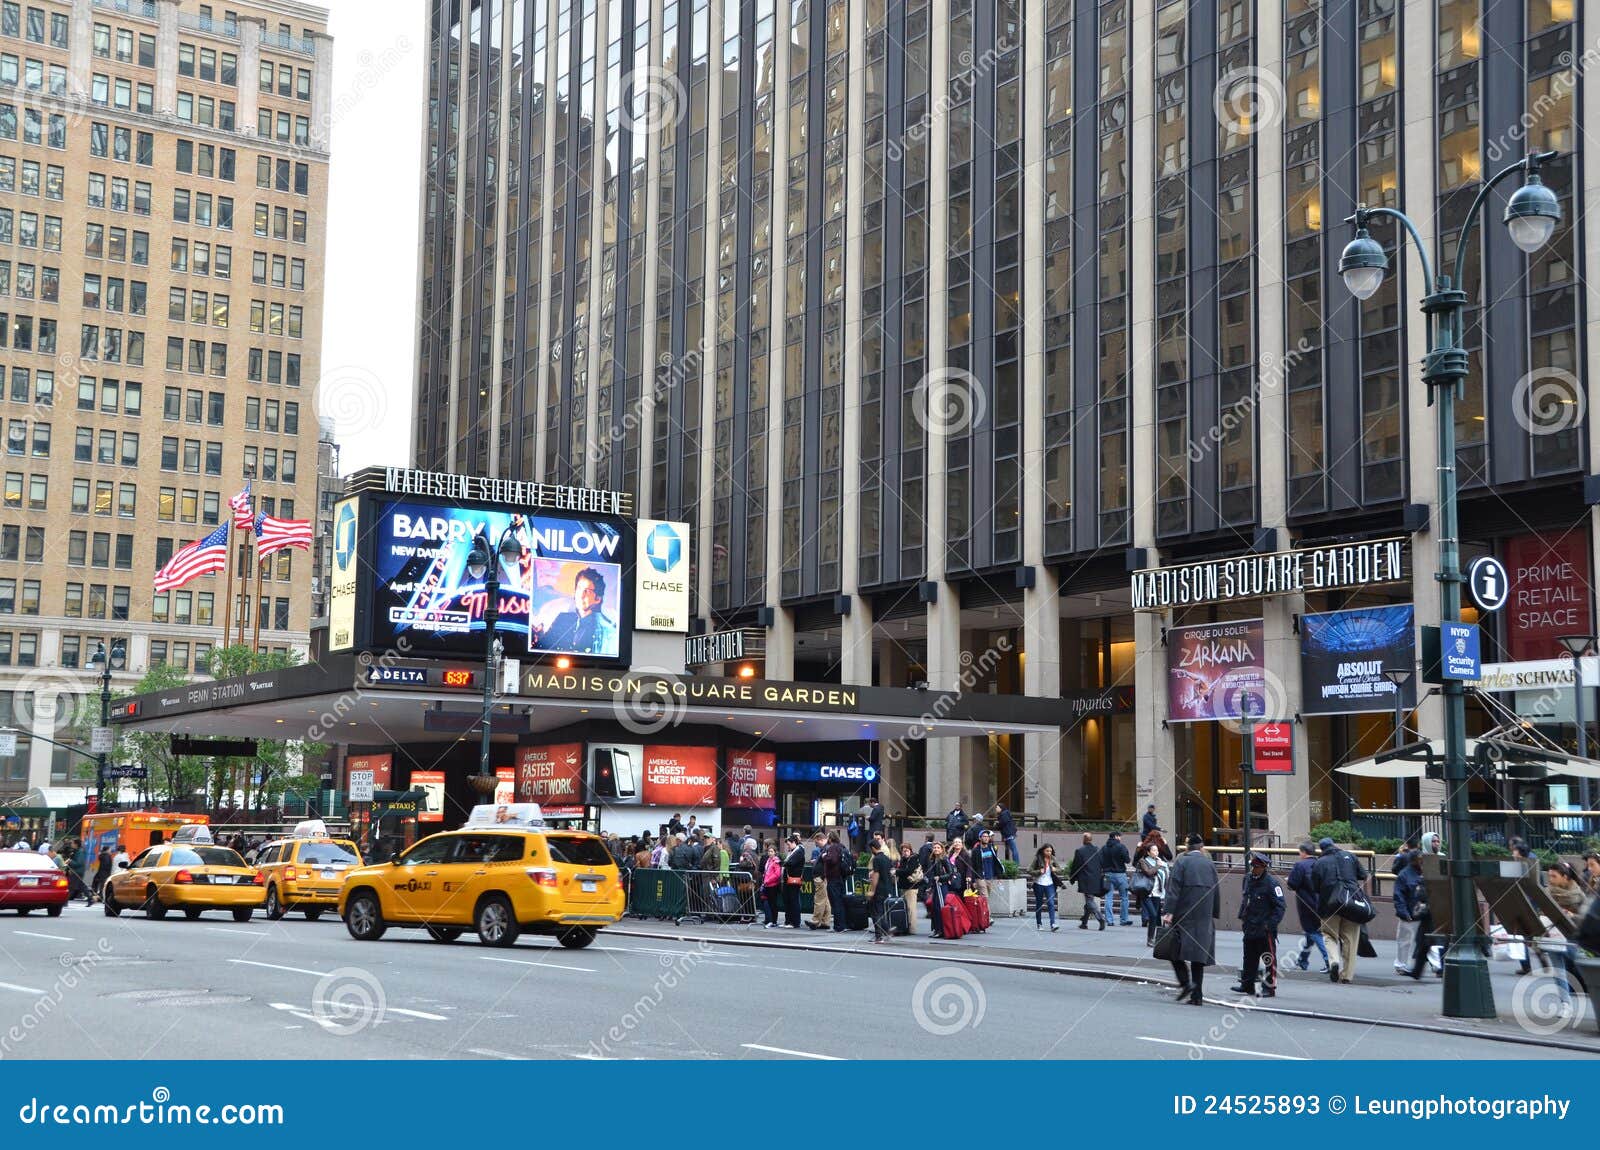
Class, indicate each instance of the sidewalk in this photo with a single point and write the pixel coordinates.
(1527, 1006)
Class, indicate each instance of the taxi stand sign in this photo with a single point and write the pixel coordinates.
(506, 815)
(1274, 749)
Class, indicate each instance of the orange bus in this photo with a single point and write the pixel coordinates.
(135, 830)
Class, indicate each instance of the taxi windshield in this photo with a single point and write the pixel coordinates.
(204, 856)
(579, 850)
(326, 854)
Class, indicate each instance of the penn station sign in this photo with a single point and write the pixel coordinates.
(1336, 567)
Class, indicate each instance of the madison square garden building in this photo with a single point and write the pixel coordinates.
(938, 319)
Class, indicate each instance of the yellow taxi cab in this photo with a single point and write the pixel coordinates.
(190, 873)
(502, 873)
(306, 871)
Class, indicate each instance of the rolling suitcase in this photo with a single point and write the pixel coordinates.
(898, 915)
(977, 910)
(953, 917)
(855, 912)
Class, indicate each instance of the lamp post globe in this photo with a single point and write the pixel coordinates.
(1363, 265)
(1532, 215)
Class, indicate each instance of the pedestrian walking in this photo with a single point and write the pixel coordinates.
(908, 876)
(821, 908)
(1192, 905)
(1006, 824)
(1591, 872)
(986, 863)
(1047, 882)
(1114, 869)
(1151, 868)
(1085, 873)
(925, 851)
(880, 886)
(875, 817)
(1338, 874)
(1411, 908)
(1149, 822)
(102, 871)
(1303, 882)
(1566, 889)
(964, 874)
(1260, 912)
(835, 867)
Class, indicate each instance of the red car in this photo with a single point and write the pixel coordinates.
(29, 881)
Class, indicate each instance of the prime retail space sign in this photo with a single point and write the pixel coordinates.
(1333, 567)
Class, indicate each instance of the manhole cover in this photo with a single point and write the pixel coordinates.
(171, 998)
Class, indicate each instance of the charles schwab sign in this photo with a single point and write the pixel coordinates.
(1339, 566)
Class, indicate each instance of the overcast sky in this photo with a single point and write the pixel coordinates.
(369, 326)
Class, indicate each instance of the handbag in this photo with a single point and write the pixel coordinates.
(1139, 881)
(1364, 947)
(793, 880)
(1352, 904)
(1166, 946)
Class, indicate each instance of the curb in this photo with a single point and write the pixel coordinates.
(1549, 1043)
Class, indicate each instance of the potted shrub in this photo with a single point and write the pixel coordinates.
(1008, 896)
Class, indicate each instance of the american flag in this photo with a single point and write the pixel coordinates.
(241, 509)
(273, 535)
(204, 557)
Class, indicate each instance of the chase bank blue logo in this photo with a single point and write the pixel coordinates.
(663, 547)
(344, 537)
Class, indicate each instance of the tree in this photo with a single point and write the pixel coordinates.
(172, 778)
(278, 763)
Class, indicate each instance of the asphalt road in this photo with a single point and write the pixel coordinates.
(86, 986)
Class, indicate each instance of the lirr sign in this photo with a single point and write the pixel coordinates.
(1341, 566)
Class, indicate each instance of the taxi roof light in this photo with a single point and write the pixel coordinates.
(311, 829)
(192, 833)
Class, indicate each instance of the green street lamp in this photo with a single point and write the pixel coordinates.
(1531, 217)
(483, 562)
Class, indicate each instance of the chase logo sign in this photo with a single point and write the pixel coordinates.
(663, 547)
(344, 536)
(661, 577)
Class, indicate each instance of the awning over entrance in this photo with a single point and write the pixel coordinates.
(1554, 763)
(353, 699)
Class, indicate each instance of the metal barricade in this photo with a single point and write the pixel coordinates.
(711, 896)
(657, 894)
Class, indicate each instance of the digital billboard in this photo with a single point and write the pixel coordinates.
(1344, 654)
(566, 595)
(632, 774)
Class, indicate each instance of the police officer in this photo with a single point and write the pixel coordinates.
(1260, 913)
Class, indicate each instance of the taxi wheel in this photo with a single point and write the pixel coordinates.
(274, 909)
(495, 922)
(110, 904)
(363, 917)
(577, 938)
(242, 914)
(444, 933)
(314, 914)
(152, 904)
(191, 913)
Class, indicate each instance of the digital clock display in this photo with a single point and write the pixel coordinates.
(459, 678)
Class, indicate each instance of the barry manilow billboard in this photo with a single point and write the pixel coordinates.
(567, 595)
(1212, 667)
(1343, 655)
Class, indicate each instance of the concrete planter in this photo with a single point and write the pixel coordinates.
(1008, 897)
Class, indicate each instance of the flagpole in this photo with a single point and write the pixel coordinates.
(256, 633)
(227, 606)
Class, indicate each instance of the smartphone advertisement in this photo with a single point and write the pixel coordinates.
(633, 774)
(431, 784)
(564, 594)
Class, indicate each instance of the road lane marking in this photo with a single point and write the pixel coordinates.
(1224, 1049)
(415, 1013)
(487, 1053)
(779, 969)
(587, 1057)
(275, 966)
(21, 989)
(236, 930)
(540, 965)
(792, 1053)
(51, 937)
